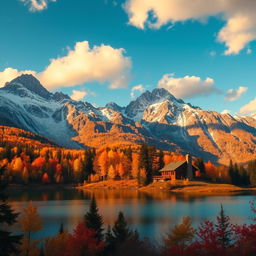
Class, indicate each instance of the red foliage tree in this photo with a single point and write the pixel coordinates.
(83, 242)
(58, 169)
(245, 240)
(45, 178)
(38, 163)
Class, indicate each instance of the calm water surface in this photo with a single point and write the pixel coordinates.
(151, 214)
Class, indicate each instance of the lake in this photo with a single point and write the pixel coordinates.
(152, 214)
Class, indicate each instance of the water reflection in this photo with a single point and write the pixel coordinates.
(151, 213)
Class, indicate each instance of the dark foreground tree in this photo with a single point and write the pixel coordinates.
(8, 241)
(121, 231)
(93, 220)
(224, 229)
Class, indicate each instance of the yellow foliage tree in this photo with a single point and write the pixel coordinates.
(103, 163)
(111, 154)
(78, 166)
(167, 159)
(121, 170)
(30, 222)
(111, 172)
(135, 165)
(181, 234)
(25, 175)
(17, 164)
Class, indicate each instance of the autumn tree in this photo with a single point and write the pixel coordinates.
(25, 175)
(93, 220)
(8, 241)
(167, 159)
(45, 178)
(17, 164)
(207, 240)
(39, 163)
(30, 223)
(103, 163)
(83, 241)
(181, 234)
(120, 170)
(111, 172)
(78, 170)
(54, 246)
(142, 177)
(135, 165)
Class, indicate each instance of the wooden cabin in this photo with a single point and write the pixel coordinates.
(178, 170)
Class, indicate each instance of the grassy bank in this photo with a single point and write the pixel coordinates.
(177, 186)
(180, 186)
(111, 184)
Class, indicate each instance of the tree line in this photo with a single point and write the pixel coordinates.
(28, 164)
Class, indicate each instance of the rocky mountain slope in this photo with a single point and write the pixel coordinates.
(156, 117)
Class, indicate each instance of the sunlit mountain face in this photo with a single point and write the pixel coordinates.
(156, 117)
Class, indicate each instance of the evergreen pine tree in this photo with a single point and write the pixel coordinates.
(252, 173)
(199, 162)
(93, 219)
(61, 229)
(161, 159)
(120, 230)
(110, 241)
(224, 231)
(231, 172)
(41, 251)
(8, 241)
(145, 162)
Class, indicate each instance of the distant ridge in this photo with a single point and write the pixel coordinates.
(155, 117)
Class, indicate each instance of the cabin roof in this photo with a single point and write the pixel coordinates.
(172, 166)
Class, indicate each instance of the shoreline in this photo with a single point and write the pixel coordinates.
(177, 187)
(191, 187)
(41, 186)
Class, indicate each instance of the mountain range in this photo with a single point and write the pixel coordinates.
(156, 118)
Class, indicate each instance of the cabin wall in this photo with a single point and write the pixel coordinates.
(181, 172)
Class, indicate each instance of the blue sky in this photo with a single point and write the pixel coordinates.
(187, 50)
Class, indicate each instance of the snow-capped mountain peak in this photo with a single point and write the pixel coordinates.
(29, 82)
(137, 107)
(114, 106)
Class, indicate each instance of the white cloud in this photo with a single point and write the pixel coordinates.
(37, 5)
(235, 94)
(249, 108)
(10, 73)
(139, 88)
(78, 95)
(81, 65)
(226, 111)
(188, 86)
(85, 64)
(239, 30)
